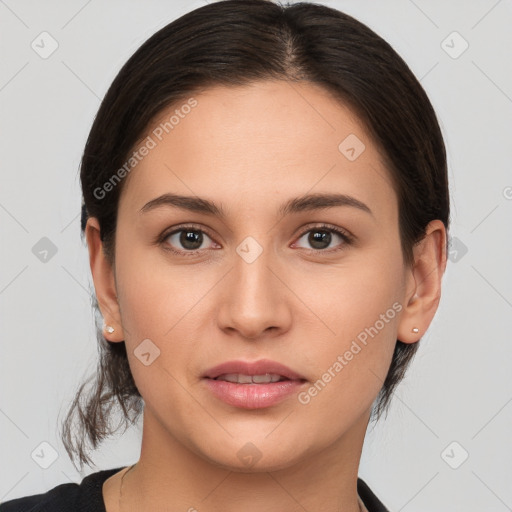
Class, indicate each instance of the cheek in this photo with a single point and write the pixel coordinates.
(163, 303)
(154, 308)
(345, 299)
(154, 293)
(353, 333)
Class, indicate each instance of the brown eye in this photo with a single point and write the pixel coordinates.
(187, 240)
(321, 238)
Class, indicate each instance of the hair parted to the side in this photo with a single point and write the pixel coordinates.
(237, 42)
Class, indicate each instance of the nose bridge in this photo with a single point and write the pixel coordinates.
(254, 300)
(252, 274)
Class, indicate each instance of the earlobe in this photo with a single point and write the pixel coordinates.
(104, 283)
(424, 284)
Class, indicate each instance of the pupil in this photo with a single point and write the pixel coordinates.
(323, 238)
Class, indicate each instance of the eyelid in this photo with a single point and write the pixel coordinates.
(328, 227)
(185, 226)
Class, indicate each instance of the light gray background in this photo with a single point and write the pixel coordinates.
(459, 387)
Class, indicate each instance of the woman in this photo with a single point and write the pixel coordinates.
(266, 210)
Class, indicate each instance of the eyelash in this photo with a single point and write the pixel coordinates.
(344, 235)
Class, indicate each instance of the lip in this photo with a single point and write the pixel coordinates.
(253, 396)
(260, 367)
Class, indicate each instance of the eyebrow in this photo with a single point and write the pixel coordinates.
(304, 203)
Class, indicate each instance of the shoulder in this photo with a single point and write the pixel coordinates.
(60, 496)
(84, 497)
(371, 502)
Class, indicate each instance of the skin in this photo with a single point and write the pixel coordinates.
(250, 149)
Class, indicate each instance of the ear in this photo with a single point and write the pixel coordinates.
(104, 281)
(423, 283)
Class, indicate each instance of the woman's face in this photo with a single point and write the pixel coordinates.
(261, 281)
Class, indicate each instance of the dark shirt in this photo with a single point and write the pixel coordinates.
(88, 497)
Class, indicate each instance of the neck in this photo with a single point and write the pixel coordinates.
(170, 476)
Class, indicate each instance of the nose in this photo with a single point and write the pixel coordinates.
(255, 301)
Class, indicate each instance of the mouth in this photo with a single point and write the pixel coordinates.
(253, 385)
(240, 378)
(263, 371)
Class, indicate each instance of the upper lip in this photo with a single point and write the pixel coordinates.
(260, 367)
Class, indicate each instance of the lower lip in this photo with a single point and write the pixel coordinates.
(253, 396)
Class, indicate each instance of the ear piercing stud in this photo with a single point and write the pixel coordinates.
(415, 330)
(108, 328)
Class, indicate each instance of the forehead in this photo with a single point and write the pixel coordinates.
(257, 140)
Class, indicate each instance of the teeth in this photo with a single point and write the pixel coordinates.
(239, 378)
(268, 377)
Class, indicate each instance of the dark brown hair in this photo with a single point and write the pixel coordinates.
(236, 42)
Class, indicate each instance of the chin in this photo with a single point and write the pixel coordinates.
(250, 459)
